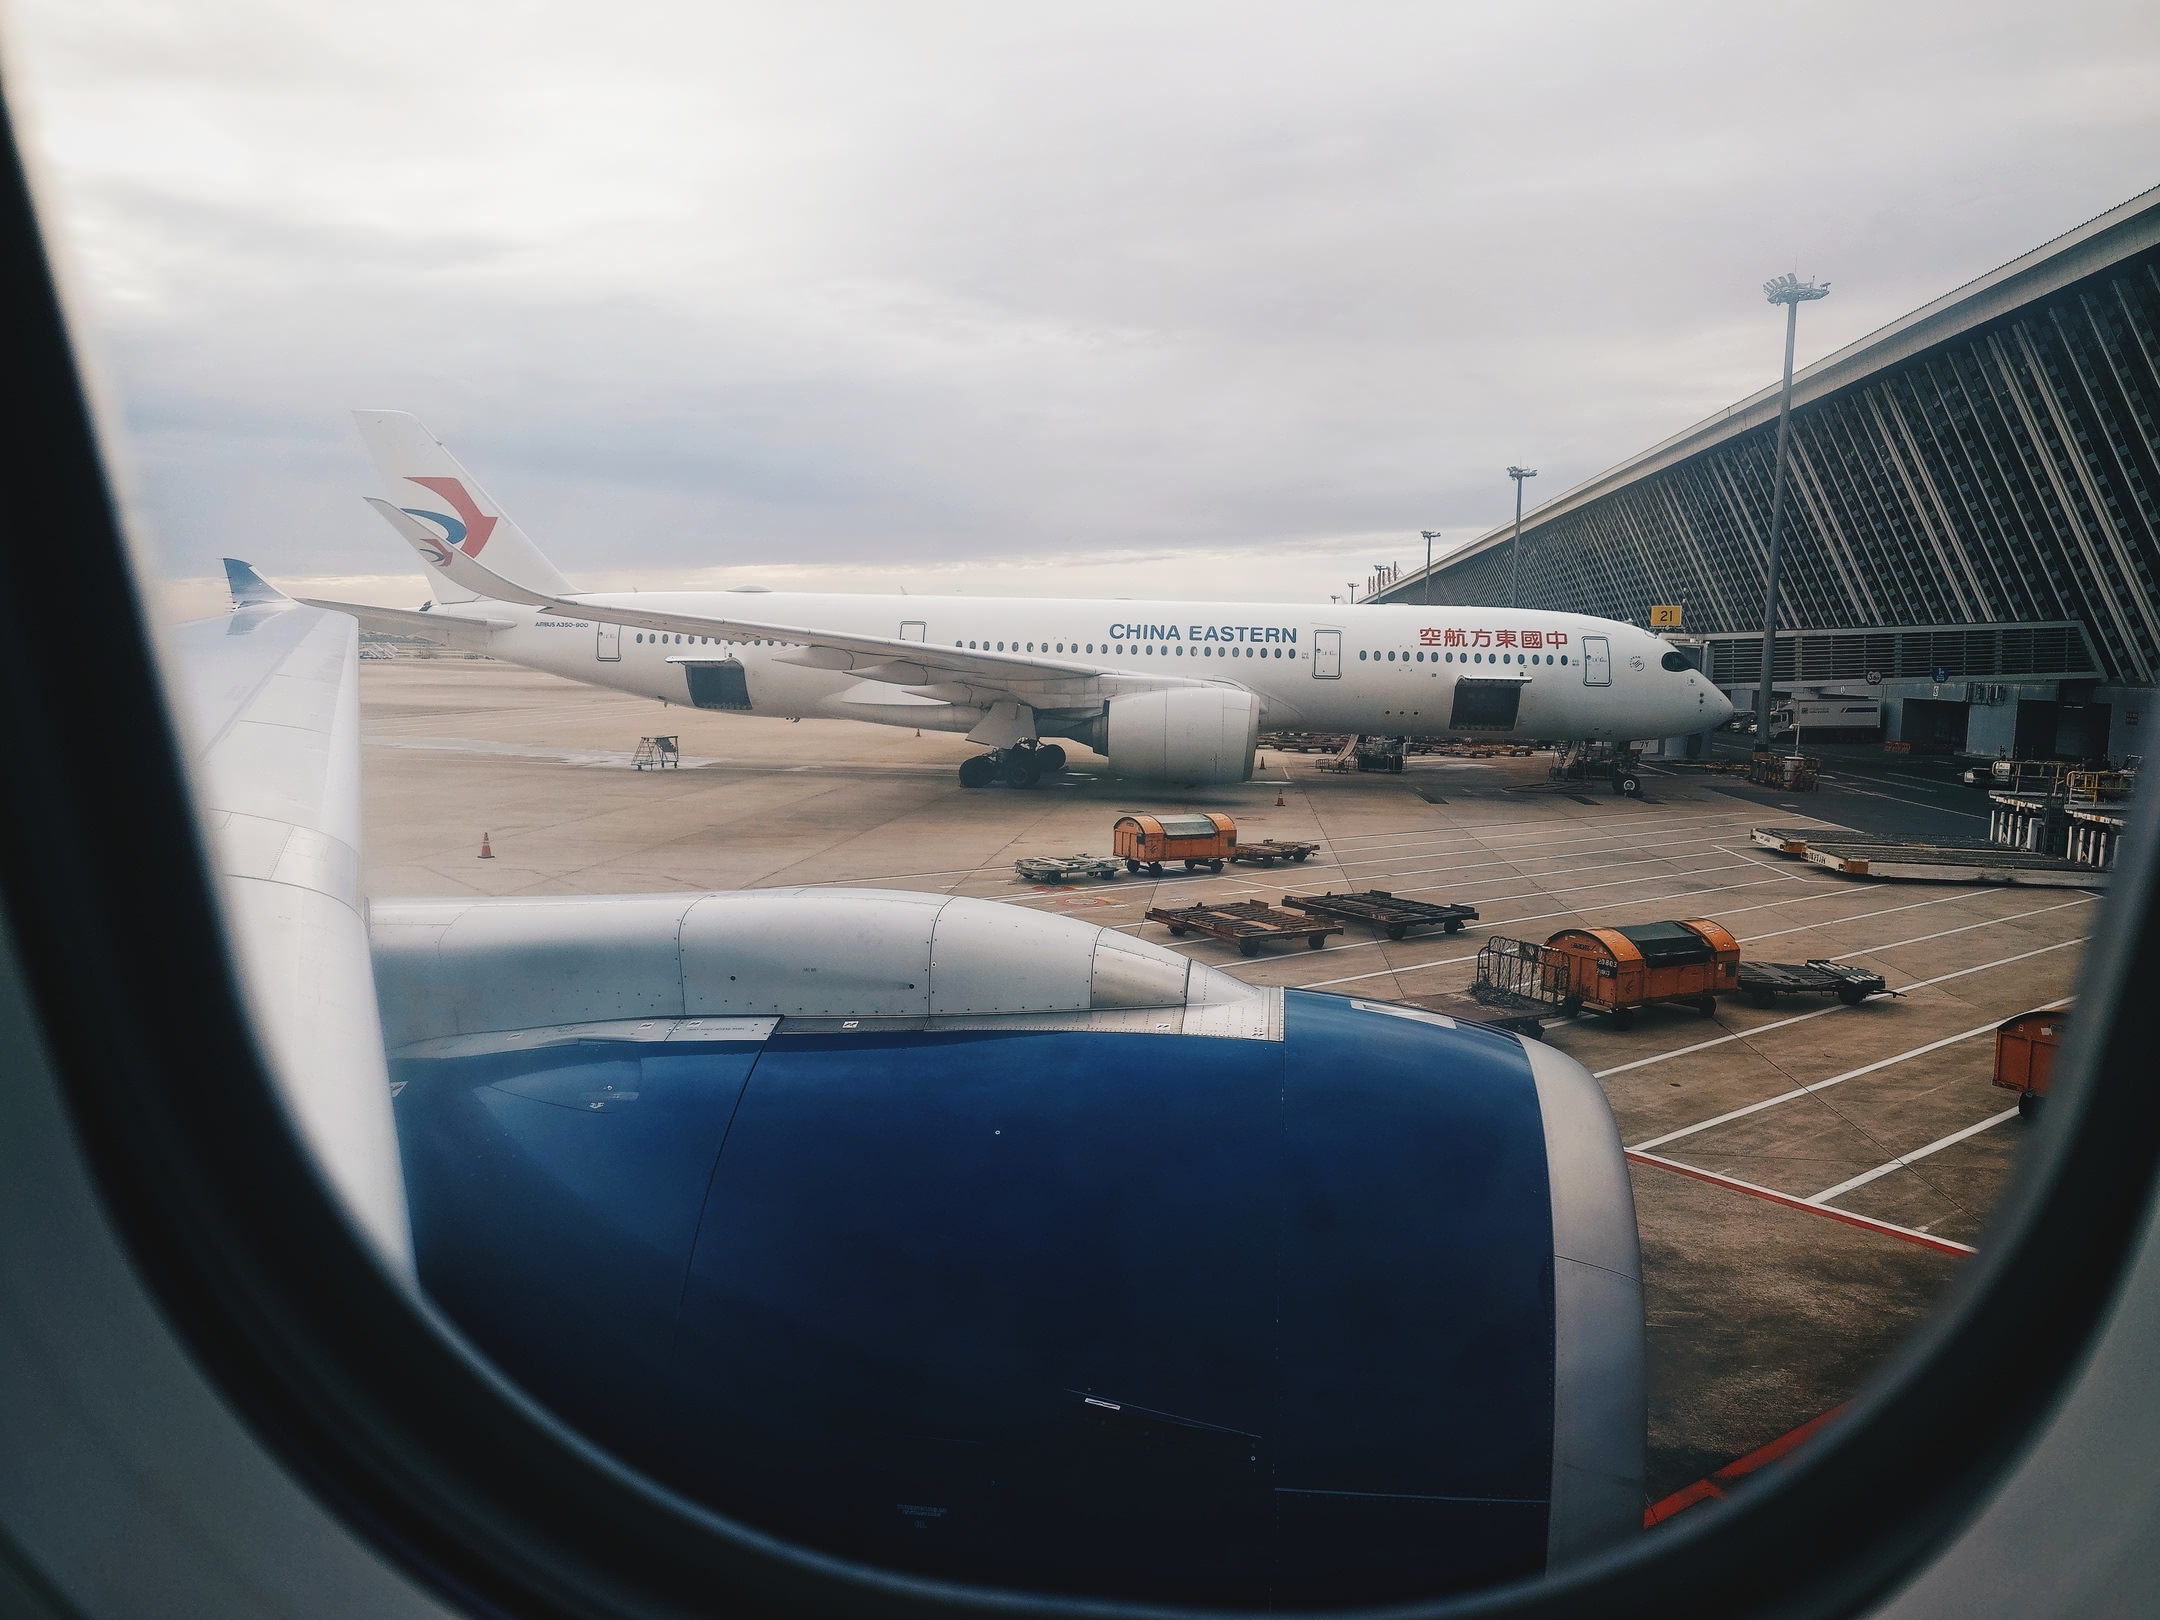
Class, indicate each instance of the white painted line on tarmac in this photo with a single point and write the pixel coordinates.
(1882, 1170)
(1824, 1012)
(1927, 1240)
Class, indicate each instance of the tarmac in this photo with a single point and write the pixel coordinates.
(1810, 1179)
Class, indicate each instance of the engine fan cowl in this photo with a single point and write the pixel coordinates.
(1184, 734)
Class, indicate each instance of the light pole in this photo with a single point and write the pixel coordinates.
(1514, 564)
(1792, 292)
(1430, 536)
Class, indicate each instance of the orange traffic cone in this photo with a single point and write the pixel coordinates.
(1279, 800)
(486, 854)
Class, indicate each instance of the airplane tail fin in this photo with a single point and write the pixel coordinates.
(434, 551)
(250, 589)
(446, 516)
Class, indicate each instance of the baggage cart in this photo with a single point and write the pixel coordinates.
(2025, 1055)
(1205, 839)
(1613, 970)
(1270, 850)
(1385, 911)
(1764, 982)
(1247, 924)
(1062, 868)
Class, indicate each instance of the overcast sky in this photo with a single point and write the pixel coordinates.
(1178, 299)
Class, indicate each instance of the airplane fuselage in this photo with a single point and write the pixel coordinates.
(1384, 670)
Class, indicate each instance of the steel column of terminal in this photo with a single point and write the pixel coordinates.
(1514, 566)
(1792, 292)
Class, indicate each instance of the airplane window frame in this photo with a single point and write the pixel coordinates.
(438, 1462)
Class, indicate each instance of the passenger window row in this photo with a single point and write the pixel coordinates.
(1467, 658)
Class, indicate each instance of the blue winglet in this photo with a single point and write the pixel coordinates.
(248, 587)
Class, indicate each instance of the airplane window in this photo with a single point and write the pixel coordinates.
(915, 1319)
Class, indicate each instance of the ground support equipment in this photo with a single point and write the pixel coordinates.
(1060, 868)
(1951, 860)
(1384, 911)
(1247, 924)
(1764, 982)
(1270, 850)
(657, 753)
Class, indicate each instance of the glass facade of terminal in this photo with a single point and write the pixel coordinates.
(2009, 476)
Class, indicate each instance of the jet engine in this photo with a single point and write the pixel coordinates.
(993, 1246)
(1183, 734)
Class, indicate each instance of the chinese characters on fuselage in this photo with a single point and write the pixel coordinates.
(1526, 639)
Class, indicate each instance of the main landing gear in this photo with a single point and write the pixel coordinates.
(1020, 766)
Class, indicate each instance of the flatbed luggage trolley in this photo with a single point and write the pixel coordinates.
(1764, 982)
(1270, 850)
(1247, 924)
(1207, 839)
(1384, 911)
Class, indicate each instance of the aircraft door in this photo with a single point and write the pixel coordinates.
(607, 644)
(914, 630)
(1597, 661)
(1327, 655)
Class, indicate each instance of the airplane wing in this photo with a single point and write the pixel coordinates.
(460, 632)
(943, 674)
(269, 698)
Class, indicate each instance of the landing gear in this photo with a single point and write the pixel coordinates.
(1020, 766)
(1627, 784)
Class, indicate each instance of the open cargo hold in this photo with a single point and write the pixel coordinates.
(1382, 910)
(1205, 839)
(1247, 924)
(1612, 970)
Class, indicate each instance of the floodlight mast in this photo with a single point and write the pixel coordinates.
(1514, 566)
(1792, 292)
(1430, 536)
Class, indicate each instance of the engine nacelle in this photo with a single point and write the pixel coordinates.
(1184, 734)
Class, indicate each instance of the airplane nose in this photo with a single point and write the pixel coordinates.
(1721, 708)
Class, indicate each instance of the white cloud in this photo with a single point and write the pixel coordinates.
(1033, 292)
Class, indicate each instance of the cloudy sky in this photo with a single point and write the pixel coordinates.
(1178, 299)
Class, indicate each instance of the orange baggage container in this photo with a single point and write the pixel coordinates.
(1206, 839)
(1616, 970)
(2025, 1054)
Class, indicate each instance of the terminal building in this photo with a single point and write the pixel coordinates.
(1972, 519)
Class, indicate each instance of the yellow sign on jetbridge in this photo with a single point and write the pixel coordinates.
(1665, 616)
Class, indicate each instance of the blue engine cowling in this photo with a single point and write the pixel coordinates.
(1336, 1308)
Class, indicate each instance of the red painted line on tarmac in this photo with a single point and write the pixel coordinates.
(1867, 1223)
(1704, 1490)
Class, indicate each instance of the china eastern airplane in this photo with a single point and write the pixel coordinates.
(1175, 691)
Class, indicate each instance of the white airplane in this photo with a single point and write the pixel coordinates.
(1174, 691)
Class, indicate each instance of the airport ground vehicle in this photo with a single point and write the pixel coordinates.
(1764, 982)
(1618, 763)
(1247, 924)
(1270, 850)
(2025, 1048)
(1613, 970)
(1393, 915)
(1199, 839)
(1063, 868)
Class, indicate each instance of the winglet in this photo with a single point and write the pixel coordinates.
(250, 589)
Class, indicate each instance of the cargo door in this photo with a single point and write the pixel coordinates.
(1485, 705)
(1596, 661)
(914, 630)
(1327, 655)
(718, 686)
(607, 644)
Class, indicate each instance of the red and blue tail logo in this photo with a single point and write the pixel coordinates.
(468, 530)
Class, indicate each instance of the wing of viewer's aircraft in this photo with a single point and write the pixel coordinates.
(943, 1233)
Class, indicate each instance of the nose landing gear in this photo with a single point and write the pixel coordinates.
(1020, 766)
